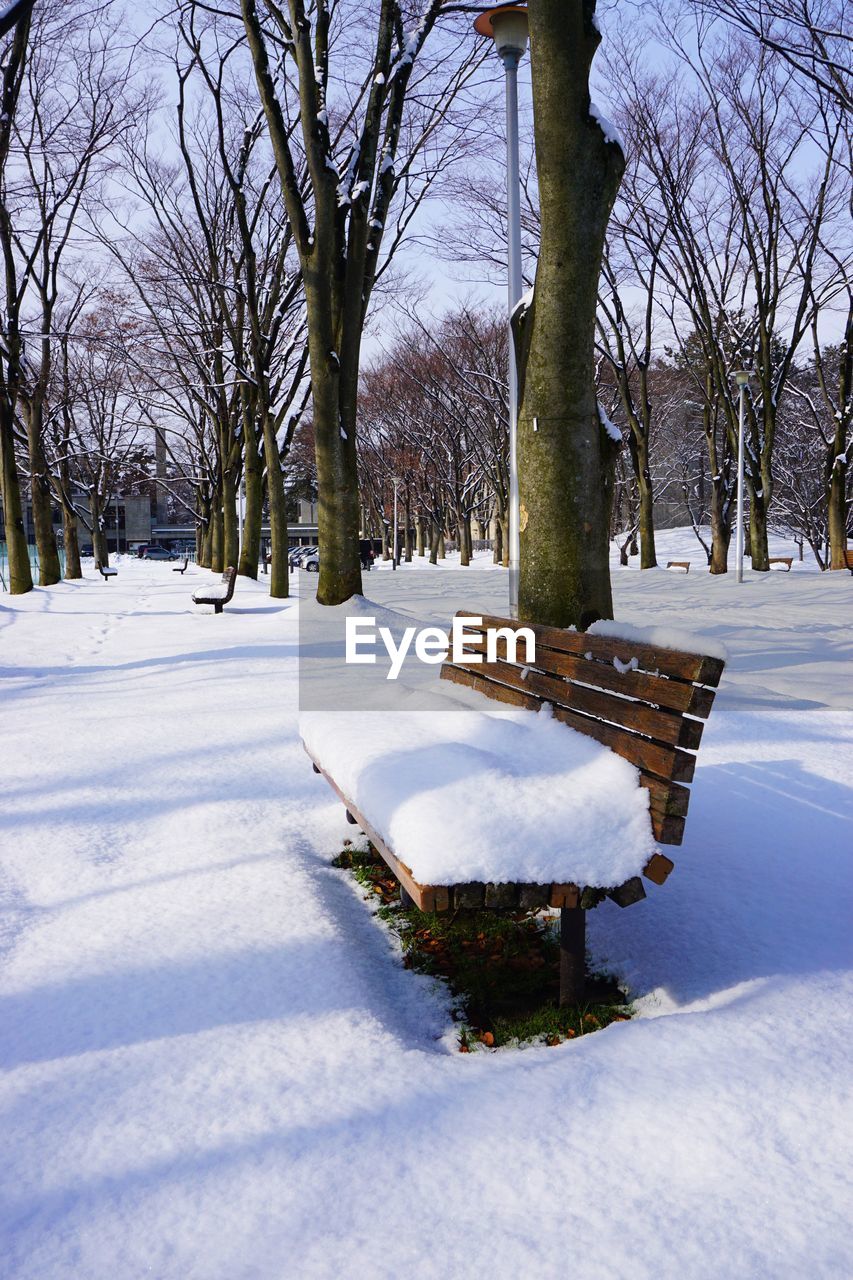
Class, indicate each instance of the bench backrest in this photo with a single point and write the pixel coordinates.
(229, 576)
(646, 703)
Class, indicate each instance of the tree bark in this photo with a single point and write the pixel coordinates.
(50, 570)
(230, 523)
(216, 544)
(253, 476)
(279, 568)
(20, 573)
(71, 542)
(100, 546)
(758, 546)
(836, 496)
(565, 455)
(721, 531)
(648, 553)
(837, 508)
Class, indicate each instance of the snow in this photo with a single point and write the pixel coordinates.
(661, 637)
(215, 1065)
(609, 426)
(611, 133)
(524, 303)
(214, 591)
(488, 795)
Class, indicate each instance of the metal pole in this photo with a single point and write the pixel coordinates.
(511, 59)
(241, 511)
(741, 380)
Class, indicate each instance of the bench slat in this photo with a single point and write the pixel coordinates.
(665, 762)
(694, 668)
(676, 695)
(669, 798)
(663, 726)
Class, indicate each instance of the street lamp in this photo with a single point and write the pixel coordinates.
(742, 380)
(507, 25)
(395, 480)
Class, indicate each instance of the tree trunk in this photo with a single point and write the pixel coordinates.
(279, 568)
(836, 501)
(565, 458)
(503, 535)
(721, 531)
(420, 544)
(250, 550)
(50, 570)
(20, 573)
(204, 556)
(337, 473)
(408, 533)
(462, 531)
(497, 547)
(648, 554)
(433, 543)
(758, 548)
(71, 542)
(100, 547)
(217, 563)
(230, 523)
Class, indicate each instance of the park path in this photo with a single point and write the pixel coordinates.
(214, 1066)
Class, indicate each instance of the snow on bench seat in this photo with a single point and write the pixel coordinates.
(217, 591)
(495, 795)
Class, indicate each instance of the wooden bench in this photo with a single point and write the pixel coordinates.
(106, 573)
(786, 560)
(849, 558)
(181, 568)
(646, 703)
(679, 564)
(219, 594)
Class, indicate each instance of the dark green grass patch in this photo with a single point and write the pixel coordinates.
(502, 967)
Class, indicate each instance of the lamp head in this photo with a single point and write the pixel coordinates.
(742, 377)
(507, 25)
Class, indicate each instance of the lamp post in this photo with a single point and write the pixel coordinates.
(742, 380)
(395, 480)
(507, 25)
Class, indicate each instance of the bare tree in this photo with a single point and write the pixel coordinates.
(378, 119)
(106, 448)
(14, 62)
(813, 36)
(75, 103)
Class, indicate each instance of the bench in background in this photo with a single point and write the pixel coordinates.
(181, 568)
(679, 564)
(218, 594)
(106, 573)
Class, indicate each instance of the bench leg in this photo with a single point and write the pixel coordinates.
(406, 899)
(572, 955)
(217, 607)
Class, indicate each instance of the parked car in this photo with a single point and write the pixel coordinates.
(159, 553)
(311, 563)
(299, 555)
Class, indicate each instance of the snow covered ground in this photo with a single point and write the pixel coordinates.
(214, 1065)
